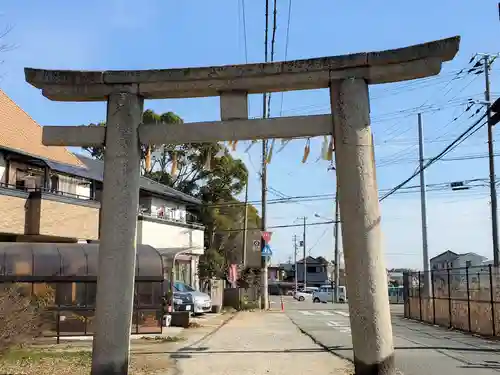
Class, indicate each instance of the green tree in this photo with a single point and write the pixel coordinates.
(148, 117)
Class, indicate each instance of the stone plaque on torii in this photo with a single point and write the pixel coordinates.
(347, 77)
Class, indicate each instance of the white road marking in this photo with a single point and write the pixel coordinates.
(325, 313)
(306, 312)
(343, 313)
(339, 326)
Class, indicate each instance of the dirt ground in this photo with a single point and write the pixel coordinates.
(148, 356)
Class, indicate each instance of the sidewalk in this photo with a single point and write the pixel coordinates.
(258, 343)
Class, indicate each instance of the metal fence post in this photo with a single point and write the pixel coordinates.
(420, 296)
(433, 299)
(468, 296)
(449, 299)
(492, 304)
(409, 292)
(58, 324)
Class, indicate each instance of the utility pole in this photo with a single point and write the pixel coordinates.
(245, 227)
(264, 301)
(295, 261)
(305, 255)
(423, 209)
(491, 159)
(336, 253)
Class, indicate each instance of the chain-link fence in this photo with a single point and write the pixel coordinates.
(467, 299)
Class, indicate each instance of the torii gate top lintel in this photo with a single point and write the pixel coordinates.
(394, 65)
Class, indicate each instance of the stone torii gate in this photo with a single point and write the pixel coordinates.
(347, 77)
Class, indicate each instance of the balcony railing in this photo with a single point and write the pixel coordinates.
(169, 216)
(44, 190)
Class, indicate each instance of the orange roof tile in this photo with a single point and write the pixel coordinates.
(19, 131)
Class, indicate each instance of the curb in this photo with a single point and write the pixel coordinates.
(176, 369)
(326, 348)
(320, 344)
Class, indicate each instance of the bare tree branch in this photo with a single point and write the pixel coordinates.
(4, 46)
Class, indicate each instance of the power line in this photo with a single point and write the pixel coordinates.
(447, 149)
(318, 240)
(287, 40)
(244, 29)
(434, 187)
(273, 42)
(279, 226)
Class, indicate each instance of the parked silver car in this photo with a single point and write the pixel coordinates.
(202, 301)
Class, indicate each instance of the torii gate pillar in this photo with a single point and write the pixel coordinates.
(346, 76)
(361, 235)
(117, 260)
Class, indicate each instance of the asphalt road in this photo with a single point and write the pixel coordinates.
(420, 348)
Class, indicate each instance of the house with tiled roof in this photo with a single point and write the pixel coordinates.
(49, 194)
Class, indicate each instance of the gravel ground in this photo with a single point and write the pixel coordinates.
(259, 343)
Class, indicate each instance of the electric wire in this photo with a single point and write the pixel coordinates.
(447, 149)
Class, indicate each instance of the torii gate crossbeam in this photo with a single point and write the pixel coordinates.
(347, 78)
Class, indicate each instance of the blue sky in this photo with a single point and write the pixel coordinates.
(165, 34)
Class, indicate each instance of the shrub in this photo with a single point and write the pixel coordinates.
(22, 316)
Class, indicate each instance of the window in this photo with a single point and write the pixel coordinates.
(54, 183)
(181, 287)
(312, 269)
(183, 271)
(20, 184)
(468, 263)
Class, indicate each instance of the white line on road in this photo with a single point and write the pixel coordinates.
(306, 312)
(339, 326)
(343, 313)
(325, 313)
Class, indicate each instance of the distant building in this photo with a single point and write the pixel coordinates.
(395, 278)
(452, 260)
(456, 265)
(317, 271)
(275, 272)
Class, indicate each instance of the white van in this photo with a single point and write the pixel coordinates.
(325, 294)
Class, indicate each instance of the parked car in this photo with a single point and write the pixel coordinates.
(326, 294)
(202, 303)
(302, 294)
(183, 302)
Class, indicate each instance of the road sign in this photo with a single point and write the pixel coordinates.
(266, 251)
(495, 112)
(256, 245)
(266, 236)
